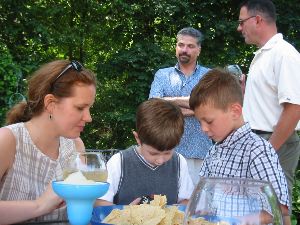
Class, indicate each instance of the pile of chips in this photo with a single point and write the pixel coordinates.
(155, 213)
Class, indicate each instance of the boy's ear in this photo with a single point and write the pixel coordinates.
(236, 110)
(136, 136)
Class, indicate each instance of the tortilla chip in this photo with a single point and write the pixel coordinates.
(159, 200)
(154, 213)
(178, 218)
(202, 221)
(170, 213)
(136, 215)
(113, 217)
(146, 214)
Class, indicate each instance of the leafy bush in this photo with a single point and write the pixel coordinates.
(296, 196)
(8, 82)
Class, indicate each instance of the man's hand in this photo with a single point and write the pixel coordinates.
(182, 101)
(187, 112)
(286, 125)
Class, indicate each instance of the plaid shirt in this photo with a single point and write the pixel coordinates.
(244, 154)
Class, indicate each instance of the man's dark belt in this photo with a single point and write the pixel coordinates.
(261, 132)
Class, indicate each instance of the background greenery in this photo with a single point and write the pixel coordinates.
(124, 43)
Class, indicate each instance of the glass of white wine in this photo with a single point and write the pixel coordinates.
(91, 164)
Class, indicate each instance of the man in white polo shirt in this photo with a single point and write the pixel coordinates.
(272, 95)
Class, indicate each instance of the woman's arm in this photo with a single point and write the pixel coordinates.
(7, 150)
(18, 211)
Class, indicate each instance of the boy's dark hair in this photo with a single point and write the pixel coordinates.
(265, 8)
(159, 123)
(189, 31)
(219, 88)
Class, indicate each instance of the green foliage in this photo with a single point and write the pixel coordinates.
(124, 42)
(124, 83)
(296, 196)
(8, 80)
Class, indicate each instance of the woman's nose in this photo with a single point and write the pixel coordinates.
(88, 117)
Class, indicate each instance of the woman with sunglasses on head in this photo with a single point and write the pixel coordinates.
(40, 136)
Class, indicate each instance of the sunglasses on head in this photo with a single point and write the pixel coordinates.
(74, 65)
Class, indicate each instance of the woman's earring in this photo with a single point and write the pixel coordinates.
(50, 116)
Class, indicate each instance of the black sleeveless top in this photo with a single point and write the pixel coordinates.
(138, 178)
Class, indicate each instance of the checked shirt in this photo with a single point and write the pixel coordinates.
(244, 154)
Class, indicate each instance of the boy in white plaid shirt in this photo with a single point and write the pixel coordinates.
(217, 103)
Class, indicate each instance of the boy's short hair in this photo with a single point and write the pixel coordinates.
(159, 123)
(219, 88)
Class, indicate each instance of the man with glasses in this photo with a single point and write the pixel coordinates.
(272, 95)
(175, 84)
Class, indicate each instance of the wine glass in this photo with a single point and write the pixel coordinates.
(233, 200)
(89, 175)
(91, 164)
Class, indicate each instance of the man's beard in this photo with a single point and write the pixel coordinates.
(185, 59)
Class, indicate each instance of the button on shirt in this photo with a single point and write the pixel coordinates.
(171, 82)
(246, 155)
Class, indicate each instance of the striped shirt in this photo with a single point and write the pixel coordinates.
(32, 171)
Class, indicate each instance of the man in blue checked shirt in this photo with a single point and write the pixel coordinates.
(175, 84)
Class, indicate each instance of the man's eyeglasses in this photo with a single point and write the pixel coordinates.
(73, 64)
(241, 22)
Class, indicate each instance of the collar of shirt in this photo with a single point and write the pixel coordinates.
(178, 69)
(149, 165)
(235, 136)
(271, 43)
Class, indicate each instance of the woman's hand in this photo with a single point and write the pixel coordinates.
(49, 201)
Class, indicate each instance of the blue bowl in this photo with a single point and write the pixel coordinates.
(80, 199)
(100, 212)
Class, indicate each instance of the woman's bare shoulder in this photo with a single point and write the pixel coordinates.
(7, 149)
